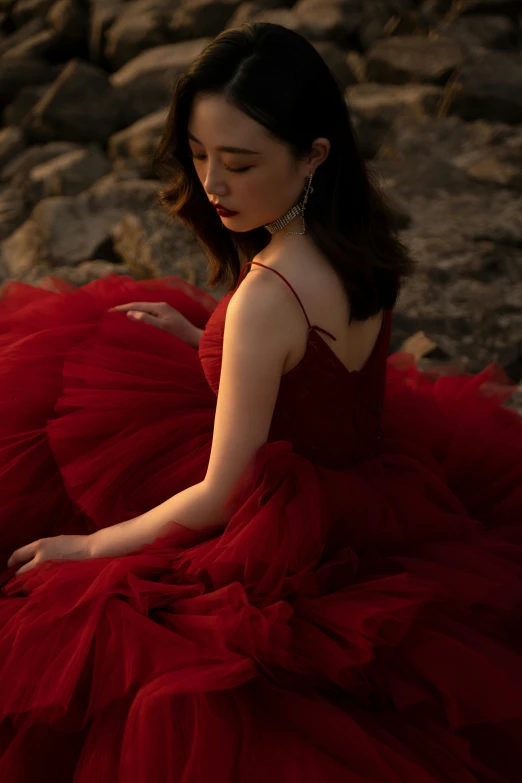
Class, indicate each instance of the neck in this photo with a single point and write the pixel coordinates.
(279, 238)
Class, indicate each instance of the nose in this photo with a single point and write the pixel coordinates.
(213, 182)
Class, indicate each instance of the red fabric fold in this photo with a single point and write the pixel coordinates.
(356, 624)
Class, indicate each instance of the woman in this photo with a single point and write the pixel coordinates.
(280, 556)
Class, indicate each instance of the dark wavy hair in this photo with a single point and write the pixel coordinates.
(278, 78)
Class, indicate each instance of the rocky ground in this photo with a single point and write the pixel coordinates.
(435, 90)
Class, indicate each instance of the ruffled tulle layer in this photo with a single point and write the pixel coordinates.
(354, 625)
(100, 416)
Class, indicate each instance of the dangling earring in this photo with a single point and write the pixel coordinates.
(298, 209)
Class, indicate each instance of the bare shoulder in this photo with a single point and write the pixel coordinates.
(256, 320)
(260, 300)
(320, 292)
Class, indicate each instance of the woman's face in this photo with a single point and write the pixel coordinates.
(244, 168)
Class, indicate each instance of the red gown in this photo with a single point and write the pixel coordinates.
(357, 621)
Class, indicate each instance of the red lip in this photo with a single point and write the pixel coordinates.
(224, 211)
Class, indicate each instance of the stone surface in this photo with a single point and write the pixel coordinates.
(146, 82)
(402, 59)
(434, 93)
(80, 106)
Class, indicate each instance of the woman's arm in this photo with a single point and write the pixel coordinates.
(193, 508)
(254, 354)
(194, 337)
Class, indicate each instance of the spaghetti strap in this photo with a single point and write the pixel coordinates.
(293, 291)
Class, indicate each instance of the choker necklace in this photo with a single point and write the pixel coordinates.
(297, 209)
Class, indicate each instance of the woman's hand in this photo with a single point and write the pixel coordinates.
(163, 316)
(54, 548)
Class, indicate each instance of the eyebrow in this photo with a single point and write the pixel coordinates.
(227, 149)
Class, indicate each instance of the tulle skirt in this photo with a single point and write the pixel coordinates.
(346, 625)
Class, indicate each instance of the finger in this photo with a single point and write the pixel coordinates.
(144, 307)
(26, 567)
(143, 317)
(23, 554)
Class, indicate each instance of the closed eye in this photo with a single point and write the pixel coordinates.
(201, 157)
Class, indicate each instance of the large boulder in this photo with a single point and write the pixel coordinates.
(25, 10)
(17, 111)
(283, 16)
(146, 82)
(84, 273)
(69, 20)
(200, 18)
(12, 142)
(151, 246)
(13, 210)
(490, 88)
(104, 14)
(386, 101)
(133, 147)
(138, 26)
(490, 7)
(67, 175)
(16, 74)
(329, 20)
(401, 59)
(65, 231)
(17, 170)
(40, 45)
(82, 106)
(476, 33)
(30, 28)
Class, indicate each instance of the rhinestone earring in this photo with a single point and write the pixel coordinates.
(293, 212)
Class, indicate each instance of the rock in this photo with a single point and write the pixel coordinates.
(65, 231)
(336, 59)
(17, 74)
(122, 191)
(493, 168)
(13, 210)
(103, 15)
(17, 111)
(381, 18)
(21, 250)
(401, 59)
(69, 19)
(140, 25)
(12, 142)
(68, 174)
(147, 81)
(489, 88)
(40, 45)
(151, 245)
(134, 146)
(418, 153)
(330, 20)
(476, 33)
(84, 273)
(25, 10)
(376, 109)
(386, 102)
(245, 12)
(30, 28)
(17, 170)
(283, 16)
(478, 253)
(81, 106)
(490, 7)
(201, 18)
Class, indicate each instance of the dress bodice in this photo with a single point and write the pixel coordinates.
(330, 414)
